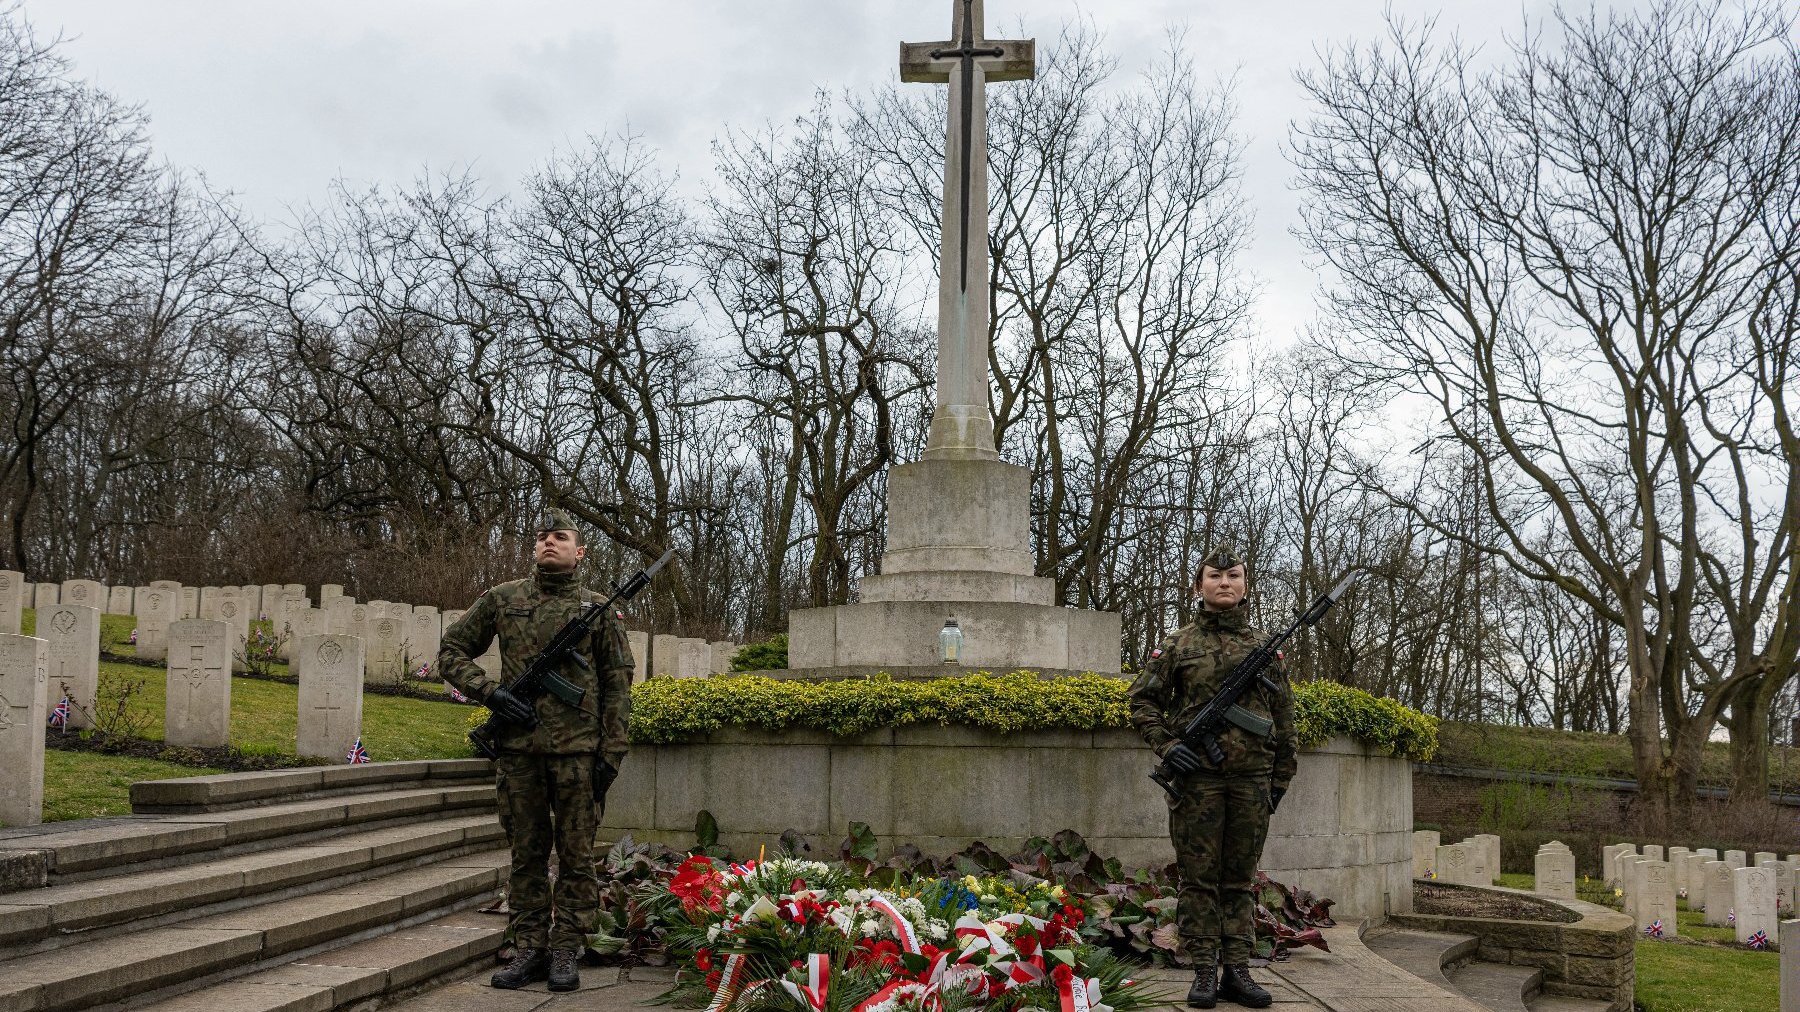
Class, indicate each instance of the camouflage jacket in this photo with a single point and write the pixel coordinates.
(1188, 669)
(525, 614)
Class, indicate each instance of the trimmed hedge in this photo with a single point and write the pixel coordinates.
(667, 710)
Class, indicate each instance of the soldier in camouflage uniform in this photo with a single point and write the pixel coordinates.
(1219, 817)
(556, 761)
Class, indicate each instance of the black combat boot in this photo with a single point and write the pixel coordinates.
(1205, 991)
(563, 974)
(1238, 987)
(527, 966)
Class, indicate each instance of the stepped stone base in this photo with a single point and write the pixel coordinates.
(996, 636)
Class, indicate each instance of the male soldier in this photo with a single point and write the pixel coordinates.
(1219, 817)
(556, 760)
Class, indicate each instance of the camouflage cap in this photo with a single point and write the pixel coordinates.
(1223, 556)
(556, 520)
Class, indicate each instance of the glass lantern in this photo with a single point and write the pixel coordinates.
(950, 640)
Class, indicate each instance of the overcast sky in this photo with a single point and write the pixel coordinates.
(274, 100)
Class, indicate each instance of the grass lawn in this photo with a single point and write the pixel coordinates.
(1703, 971)
(263, 719)
(1572, 753)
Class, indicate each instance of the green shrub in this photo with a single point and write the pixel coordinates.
(665, 710)
(768, 655)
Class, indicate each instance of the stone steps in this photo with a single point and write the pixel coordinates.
(1448, 960)
(1499, 987)
(295, 889)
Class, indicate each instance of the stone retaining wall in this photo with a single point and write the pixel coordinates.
(1590, 958)
(1344, 830)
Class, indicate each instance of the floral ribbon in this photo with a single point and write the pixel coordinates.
(730, 982)
(818, 981)
(909, 939)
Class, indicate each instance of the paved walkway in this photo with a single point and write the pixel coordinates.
(1350, 978)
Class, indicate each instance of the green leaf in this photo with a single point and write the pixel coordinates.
(706, 830)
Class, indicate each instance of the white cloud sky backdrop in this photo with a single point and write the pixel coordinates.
(274, 101)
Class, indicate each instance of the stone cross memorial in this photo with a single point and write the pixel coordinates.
(24, 683)
(71, 635)
(197, 710)
(12, 601)
(330, 669)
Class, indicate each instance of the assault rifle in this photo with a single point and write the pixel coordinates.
(540, 674)
(1203, 731)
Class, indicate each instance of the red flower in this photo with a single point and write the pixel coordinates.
(698, 884)
(703, 959)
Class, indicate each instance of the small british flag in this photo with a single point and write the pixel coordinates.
(59, 717)
(1759, 940)
(358, 754)
(1654, 929)
(455, 696)
(1731, 917)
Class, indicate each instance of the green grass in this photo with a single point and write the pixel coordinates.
(82, 785)
(1584, 754)
(1675, 977)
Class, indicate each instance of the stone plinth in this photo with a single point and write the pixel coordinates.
(24, 688)
(997, 636)
(1344, 830)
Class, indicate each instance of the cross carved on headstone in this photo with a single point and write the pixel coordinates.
(7, 706)
(198, 671)
(327, 704)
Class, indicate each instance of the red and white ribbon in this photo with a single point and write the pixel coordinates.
(909, 939)
(818, 981)
(880, 996)
(730, 982)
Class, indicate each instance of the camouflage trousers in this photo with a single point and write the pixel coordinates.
(1217, 825)
(547, 801)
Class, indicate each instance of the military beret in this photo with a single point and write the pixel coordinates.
(1223, 556)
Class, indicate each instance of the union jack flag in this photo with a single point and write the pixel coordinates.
(1731, 917)
(59, 717)
(1759, 940)
(358, 754)
(455, 696)
(1654, 929)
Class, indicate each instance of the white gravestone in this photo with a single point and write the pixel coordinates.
(166, 584)
(1754, 900)
(1554, 872)
(118, 601)
(1790, 966)
(209, 603)
(722, 652)
(694, 655)
(1719, 889)
(1696, 880)
(330, 669)
(360, 615)
(157, 608)
(190, 602)
(1463, 864)
(1628, 882)
(312, 622)
(329, 592)
(1756, 859)
(1619, 852)
(47, 594)
(664, 654)
(1655, 894)
(251, 595)
(338, 610)
(87, 593)
(427, 632)
(1708, 853)
(378, 609)
(1784, 884)
(294, 589)
(12, 601)
(24, 689)
(288, 625)
(71, 635)
(640, 653)
(272, 596)
(1653, 851)
(1492, 844)
(1736, 859)
(386, 645)
(231, 611)
(1424, 852)
(198, 707)
(1678, 864)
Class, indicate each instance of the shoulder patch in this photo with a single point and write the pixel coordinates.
(1154, 654)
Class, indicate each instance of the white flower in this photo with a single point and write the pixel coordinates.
(870, 927)
(935, 929)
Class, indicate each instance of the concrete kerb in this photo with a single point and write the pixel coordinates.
(234, 790)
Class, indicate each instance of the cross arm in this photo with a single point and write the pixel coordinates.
(1017, 61)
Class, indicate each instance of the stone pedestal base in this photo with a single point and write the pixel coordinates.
(997, 635)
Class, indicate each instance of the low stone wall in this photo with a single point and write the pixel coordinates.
(1344, 830)
(1594, 957)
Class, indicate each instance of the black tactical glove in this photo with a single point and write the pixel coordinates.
(1183, 760)
(604, 775)
(511, 708)
(1276, 793)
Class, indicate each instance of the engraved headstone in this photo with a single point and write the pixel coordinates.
(88, 593)
(1463, 864)
(1760, 856)
(1618, 850)
(272, 595)
(640, 653)
(328, 592)
(694, 655)
(71, 635)
(1492, 844)
(1695, 879)
(1554, 872)
(1719, 892)
(1754, 900)
(12, 601)
(209, 603)
(386, 645)
(198, 706)
(722, 652)
(166, 584)
(24, 691)
(1708, 853)
(47, 595)
(310, 622)
(1655, 896)
(1678, 865)
(358, 625)
(190, 602)
(1424, 852)
(337, 611)
(157, 607)
(330, 669)
(665, 653)
(290, 624)
(1784, 884)
(1628, 882)
(294, 590)
(229, 608)
(427, 632)
(1736, 859)
(118, 601)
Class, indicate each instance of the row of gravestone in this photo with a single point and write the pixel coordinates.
(401, 639)
(1475, 861)
(1749, 893)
